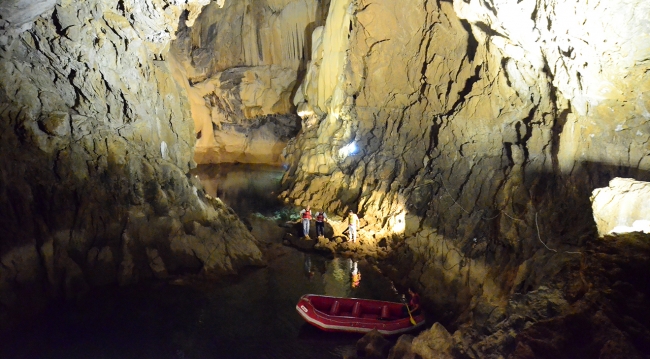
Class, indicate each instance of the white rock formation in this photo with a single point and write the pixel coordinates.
(321, 90)
(622, 207)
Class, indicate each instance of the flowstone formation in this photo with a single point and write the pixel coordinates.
(242, 63)
(96, 140)
(476, 131)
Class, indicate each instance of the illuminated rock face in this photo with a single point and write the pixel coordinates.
(595, 56)
(95, 146)
(622, 207)
(482, 129)
(241, 114)
(242, 61)
(464, 112)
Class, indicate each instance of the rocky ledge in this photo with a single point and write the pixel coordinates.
(595, 306)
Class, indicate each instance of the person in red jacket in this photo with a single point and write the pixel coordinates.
(414, 303)
(305, 214)
(321, 218)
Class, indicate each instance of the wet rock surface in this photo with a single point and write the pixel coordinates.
(373, 346)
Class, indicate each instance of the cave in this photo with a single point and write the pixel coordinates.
(496, 152)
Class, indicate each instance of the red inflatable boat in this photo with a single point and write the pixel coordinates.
(336, 314)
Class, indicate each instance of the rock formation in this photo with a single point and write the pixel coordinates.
(242, 61)
(622, 207)
(409, 78)
(595, 307)
(420, 94)
(481, 129)
(96, 140)
(469, 135)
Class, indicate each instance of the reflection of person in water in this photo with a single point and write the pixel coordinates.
(309, 269)
(355, 275)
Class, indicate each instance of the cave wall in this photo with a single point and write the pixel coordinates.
(96, 139)
(481, 128)
(251, 33)
(243, 62)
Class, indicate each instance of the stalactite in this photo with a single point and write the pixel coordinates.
(296, 54)
(285, 36)
(263, 32)
(260, 46)
(301, 41)
(293, 44)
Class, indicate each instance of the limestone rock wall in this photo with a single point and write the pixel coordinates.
(241, 114)
(596, 56)
(480, 130)
(252, 33)
(96, 139)
(242, 63)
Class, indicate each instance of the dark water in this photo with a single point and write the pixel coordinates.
(249, 316)
(252, 316)
(246, 188)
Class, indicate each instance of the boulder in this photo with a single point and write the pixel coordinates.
(622, 207)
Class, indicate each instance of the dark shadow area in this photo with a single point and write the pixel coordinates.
(611, 316)
(472, 43)
(252, 315)
(599, 174)
(552, 217)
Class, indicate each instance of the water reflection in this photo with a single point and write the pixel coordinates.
(336, 280)
(343, 278)
(309, 270)
(252, 316)
(355, 274)
(244, 187)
